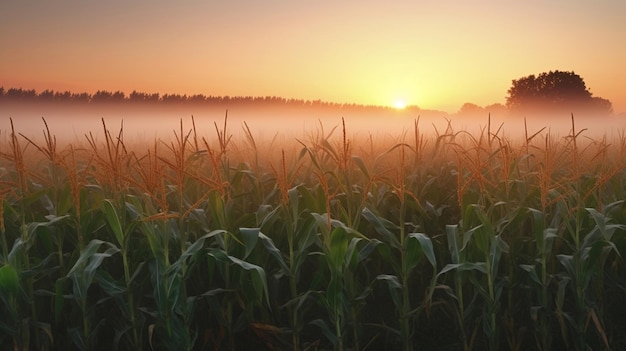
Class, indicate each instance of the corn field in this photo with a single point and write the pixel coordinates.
(441, 241)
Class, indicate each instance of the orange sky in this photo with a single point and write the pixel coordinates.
(434, 54)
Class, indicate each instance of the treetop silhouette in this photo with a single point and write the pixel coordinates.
(554, 90)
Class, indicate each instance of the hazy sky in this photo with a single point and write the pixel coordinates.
(434, 54)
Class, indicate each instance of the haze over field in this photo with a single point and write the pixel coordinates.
(142, 124)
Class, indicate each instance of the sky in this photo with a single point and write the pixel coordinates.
(433, 54)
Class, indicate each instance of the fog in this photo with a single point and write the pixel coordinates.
(144, 123)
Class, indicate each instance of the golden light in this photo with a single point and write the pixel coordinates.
(399, 104)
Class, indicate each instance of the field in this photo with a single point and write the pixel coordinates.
(446, 240)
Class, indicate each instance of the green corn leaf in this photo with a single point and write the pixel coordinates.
(495, 253)
(453, 245)
(312, 199)
(274, 251)
(466, 266)
(592, 237)
(109, 285)
(137, 273)
(368, 249)
(114, 221)
(265, 215)
(538, 226)
(602, 223)
(530, 268)
(307, 234)
(394, 286)
(134, 208)
(259, 280)
(84, 270)
(560, 296)
(119, 333)
(326, 331)
(190, 252)
(217, 291)
(30, 231)
(549, 234)
(16, 253)
(381, 225)
(77, 338)
(336, 252)
(594, 258)
(173, 291)
(481, 237)
(364, 294)
(387, 255)
(219, 255)
(567, 261)
(9, 280)
(59, 298)
(426, 247)
(299, 301)
(334, 295)
(359, 162)
(250, 236)
(480, 286)
(483, 218)
(156, 274)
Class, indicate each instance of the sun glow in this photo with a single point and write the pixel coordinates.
(399, 104)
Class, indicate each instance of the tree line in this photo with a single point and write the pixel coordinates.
(104, 96)
(547, 92)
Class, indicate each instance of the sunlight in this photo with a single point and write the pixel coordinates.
(399, 104)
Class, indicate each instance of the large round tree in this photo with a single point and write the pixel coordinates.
(555, 90)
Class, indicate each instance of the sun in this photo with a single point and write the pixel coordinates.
(399, 104)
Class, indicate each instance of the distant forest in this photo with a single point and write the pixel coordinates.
(119, 97)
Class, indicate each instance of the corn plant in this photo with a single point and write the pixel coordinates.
(581, 268)
(412, 248)
(18, 259)
(82, 276)
(542, 278)
(344, 250)
(122, 234)
(462, 267)
(489, 246)
(298, 229)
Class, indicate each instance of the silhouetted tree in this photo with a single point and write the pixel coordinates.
(602, 104)
(197, 99)
(496, 109)
(102, 96)
(553, 90)
(46, 95)
(63, 97)
(174, 98)
(118, 96)
(21, 94)
(470, 108)
(81, 97)
(137, 96)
